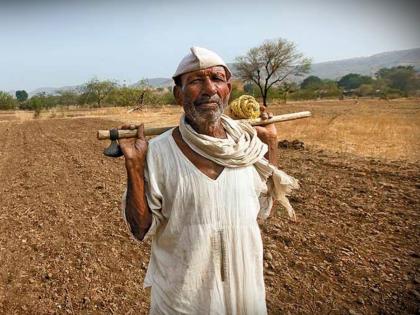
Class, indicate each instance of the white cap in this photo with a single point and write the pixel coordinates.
(199, 59)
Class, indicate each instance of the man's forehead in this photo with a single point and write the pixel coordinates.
(207, 71)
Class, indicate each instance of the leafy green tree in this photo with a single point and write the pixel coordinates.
(7, 101)
(312, 82)
(270, 64)
(168, 98)
(380, 88)
(403, 78)
(352, 81)
(21, 95)
(329, 88)
(286, 88)
(68, 97)
(127, 96)
(98, 90)
(86, 98)
(34, 103)
(315, 88)
(365, 90)
(40, 101)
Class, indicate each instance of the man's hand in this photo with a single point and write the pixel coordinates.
(134, 149)
(137, 211)
(268, 135)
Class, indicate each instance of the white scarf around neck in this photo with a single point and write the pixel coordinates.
(241, 148)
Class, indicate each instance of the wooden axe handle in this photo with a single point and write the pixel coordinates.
(132, 133)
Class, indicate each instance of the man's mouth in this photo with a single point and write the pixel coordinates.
(209, 105)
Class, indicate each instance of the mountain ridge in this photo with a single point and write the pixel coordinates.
(333, 69)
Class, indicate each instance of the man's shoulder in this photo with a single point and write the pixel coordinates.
(162, 141)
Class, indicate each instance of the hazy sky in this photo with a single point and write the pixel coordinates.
(57, 43)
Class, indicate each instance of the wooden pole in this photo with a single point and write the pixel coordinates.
(132, 133)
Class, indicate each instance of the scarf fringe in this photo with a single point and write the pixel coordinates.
(282, 186)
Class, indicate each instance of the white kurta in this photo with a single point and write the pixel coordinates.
(207, 254)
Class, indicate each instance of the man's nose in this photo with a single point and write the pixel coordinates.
(209, 87)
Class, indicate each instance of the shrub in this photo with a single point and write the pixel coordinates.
(40, 101)
(365, 90)
(7, 101)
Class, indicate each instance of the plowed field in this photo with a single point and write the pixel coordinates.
(64, 248)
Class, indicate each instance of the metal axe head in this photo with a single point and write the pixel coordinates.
(114, 149)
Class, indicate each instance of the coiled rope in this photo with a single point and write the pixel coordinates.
(245, 107)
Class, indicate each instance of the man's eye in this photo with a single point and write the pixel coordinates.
(195, 81)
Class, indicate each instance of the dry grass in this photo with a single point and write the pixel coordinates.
(375, 128)
(18, 115)
(381, 129)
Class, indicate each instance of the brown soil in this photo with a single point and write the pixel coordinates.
(64, 248)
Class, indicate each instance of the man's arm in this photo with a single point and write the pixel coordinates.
(268, 135)
(137, 211)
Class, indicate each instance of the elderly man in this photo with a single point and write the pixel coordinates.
(197, 191)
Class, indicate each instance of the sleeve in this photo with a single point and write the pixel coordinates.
(153, 195)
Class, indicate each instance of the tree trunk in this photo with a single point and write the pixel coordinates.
(142, 97)
(264, 96)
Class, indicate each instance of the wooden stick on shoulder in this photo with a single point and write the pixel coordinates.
(105, 134)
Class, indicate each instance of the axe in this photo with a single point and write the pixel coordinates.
(114, 134)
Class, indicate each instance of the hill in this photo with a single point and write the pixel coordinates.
(325, 70)
(366, 65)
(52, 90)
(155, 82)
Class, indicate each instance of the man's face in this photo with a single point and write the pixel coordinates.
(204, 94)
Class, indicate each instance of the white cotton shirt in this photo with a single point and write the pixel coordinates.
(207, 254)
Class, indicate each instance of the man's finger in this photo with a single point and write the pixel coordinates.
(125, 126)
(264, 116)
(270, 115)
(140, 132)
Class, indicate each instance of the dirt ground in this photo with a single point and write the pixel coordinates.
(64, 248)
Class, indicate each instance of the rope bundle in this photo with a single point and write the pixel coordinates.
(245, 107)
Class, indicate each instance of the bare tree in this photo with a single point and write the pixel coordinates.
(270, 64)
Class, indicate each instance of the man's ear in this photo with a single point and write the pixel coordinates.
(230, 89)
(178, 95)
(229, 86)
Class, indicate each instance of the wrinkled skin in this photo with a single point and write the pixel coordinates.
(204, 94)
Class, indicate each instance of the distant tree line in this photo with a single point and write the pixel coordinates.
(94, 93)
(387, 83)
(401, 81)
